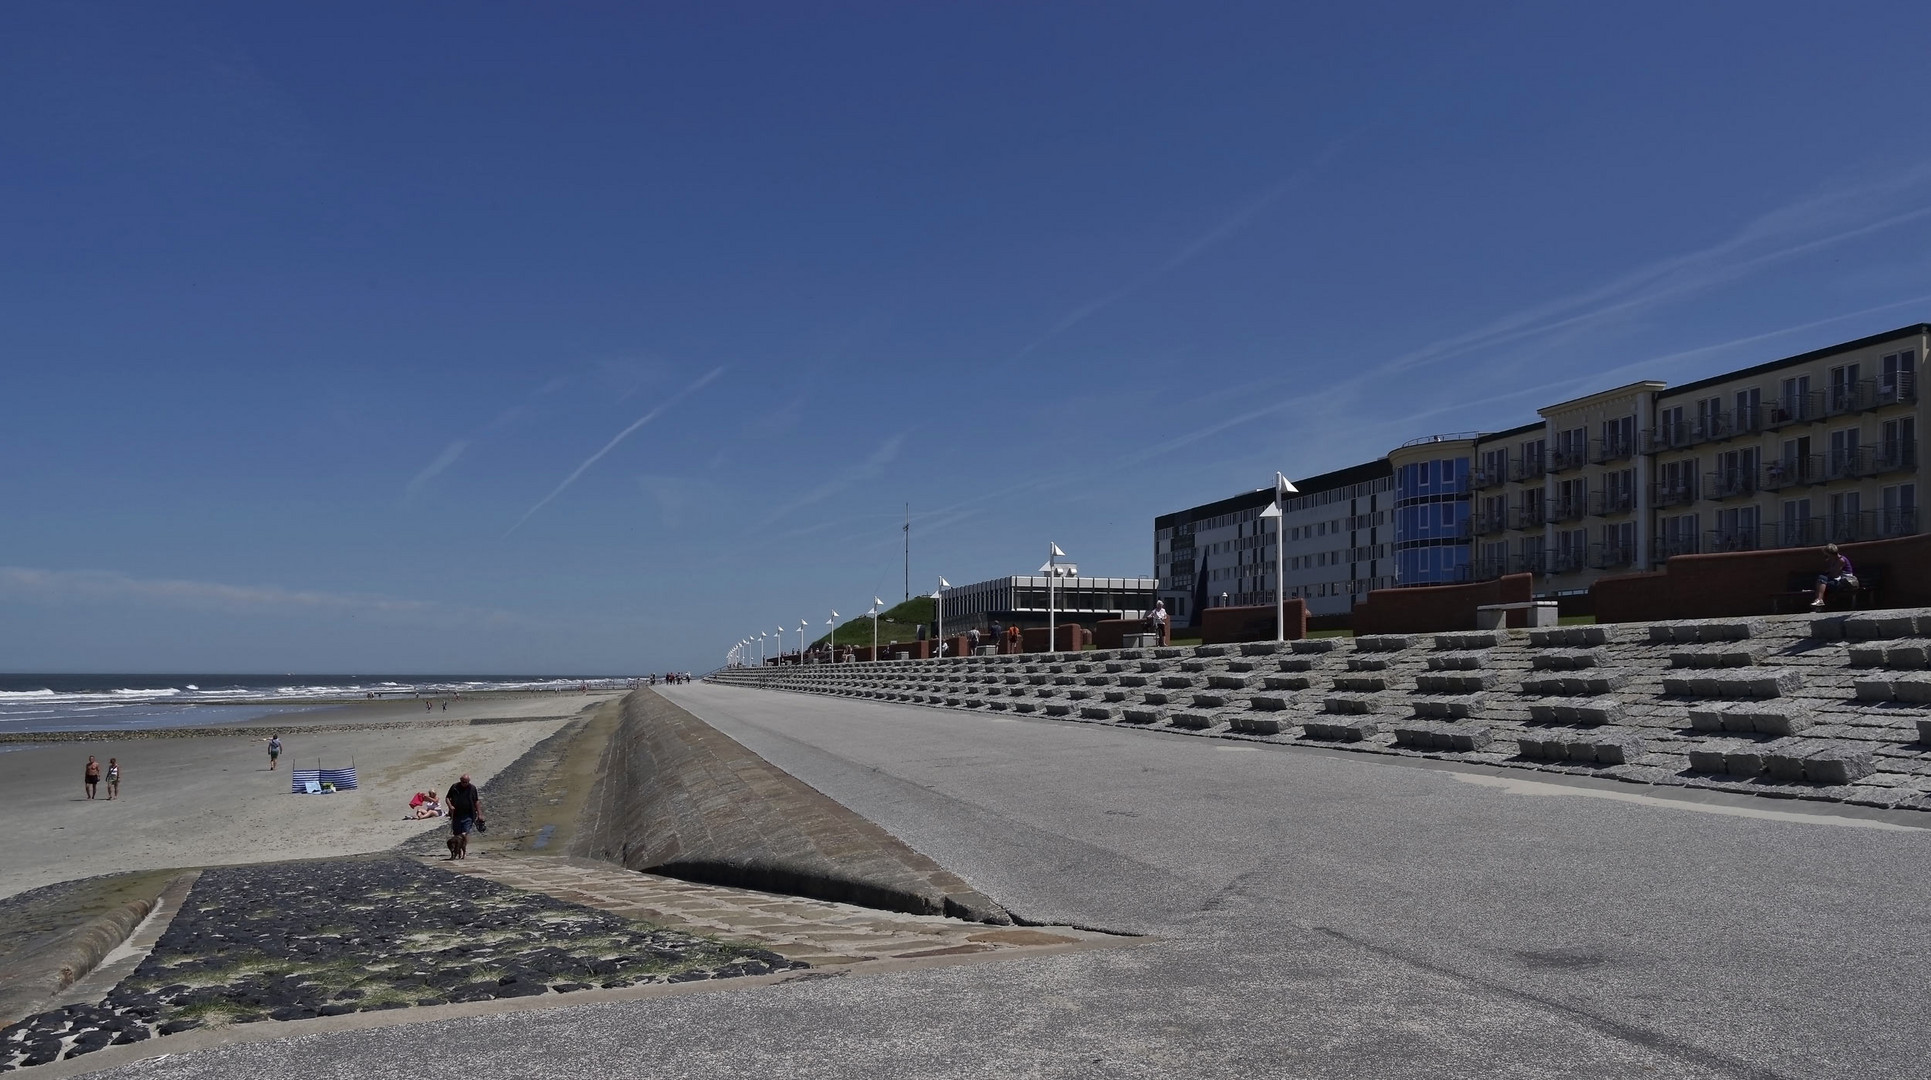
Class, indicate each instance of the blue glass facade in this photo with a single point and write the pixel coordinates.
(1431, 521)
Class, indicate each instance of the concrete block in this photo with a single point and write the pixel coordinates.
(1161, 697)
(1262, 648)
(1552, 713)
(1709, 759)
(1463, 661)
(1908, 657)
(1470, 739)
(1875, 690)
(1133, 680)
(1193, 720)
(1210, 701)
(1169, 653)
(1839, 764)
(1347, 705)
(1566, 660)
(1869, 656)
(1117, 666)
(1569, 637)
(1784, 765)
(1340, 731)
(1449, 708)
(1154, 667)
(1580, 750)
(1058, 710)
(1195, 665)
(1096, 712)
(1264, 725)
(1479, 639)
(1114, 695)
(1178, 682)
(1721, 656)
(1384, 643)
(1787, 720)
(1229, 682)
(1286, 682)
(1311, 646)
(1361, 684)
(1924, 732)
(1878, 626)
(1212, 650)
(1267, 702)
(1415, 737)
(1747, 684)
(1025, 706)
(1142, 716)
(1435, 682)
(1531, 746)
(1369, 663)
(1297, 664)
(1619, 751)
(1600, 711)
(1745, 762)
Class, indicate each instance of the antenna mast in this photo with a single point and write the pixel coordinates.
(908, 551)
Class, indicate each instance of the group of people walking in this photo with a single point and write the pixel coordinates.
(95, 773)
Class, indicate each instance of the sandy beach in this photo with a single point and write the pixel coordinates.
(212, 800)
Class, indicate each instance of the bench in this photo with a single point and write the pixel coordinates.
(1801, 586)
(1491, 616)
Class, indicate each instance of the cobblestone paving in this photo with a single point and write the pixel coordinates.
(818, 932)
(288, 941)
(1823, 707)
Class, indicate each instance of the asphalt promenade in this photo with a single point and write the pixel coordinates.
(1314, 914)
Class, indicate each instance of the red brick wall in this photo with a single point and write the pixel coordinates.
(1747, 582)
(1221, 625)
(1433, 609)
(1071, 637)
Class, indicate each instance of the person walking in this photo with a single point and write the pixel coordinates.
(93, 775)
(113, 778)
(274, 751)
(465, 805)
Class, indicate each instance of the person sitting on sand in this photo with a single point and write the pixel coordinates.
(93, 775)
(113, 778)
(424, 805)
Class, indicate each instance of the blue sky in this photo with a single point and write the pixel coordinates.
(592, 337)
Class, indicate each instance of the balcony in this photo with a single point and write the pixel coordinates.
(1532, 562)
(1668, 546)
(1898, 389)
(1850, 463)
(1484, 524)
(1731, 483)
(1569, 560)
(1801, 532)
(1710, 428)
(1574, 509)
(1487, 478)
(1616, 449)
(1666, 436)
(1487, 569)
(1528, 467)
(1666, 495)
(1750, 538)
(1614, 502)
(1527, 517)
(1562, 459)
(1784, 473)
(1795, 409)
(1611, 556)
(1898, 521)
(1851, 397)
(1898, 455)
(1852, 527)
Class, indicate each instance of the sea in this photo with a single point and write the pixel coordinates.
(37, 703)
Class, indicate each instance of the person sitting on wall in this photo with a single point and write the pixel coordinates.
(1837, 571)
(1156, 621)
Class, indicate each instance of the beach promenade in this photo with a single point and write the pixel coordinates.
(1306, 913)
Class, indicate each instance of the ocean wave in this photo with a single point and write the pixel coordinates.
(26, 695)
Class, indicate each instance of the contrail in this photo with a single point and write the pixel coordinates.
(612, 445)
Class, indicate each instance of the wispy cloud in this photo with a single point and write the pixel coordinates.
(443, 461)
(653, 414)
(22, 583)
(872, 466)
(1189, 251)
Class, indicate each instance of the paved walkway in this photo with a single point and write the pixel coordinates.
(818, 932)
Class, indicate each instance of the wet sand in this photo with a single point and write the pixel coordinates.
(202, 801)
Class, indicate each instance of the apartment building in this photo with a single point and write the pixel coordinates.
(1795, 452)
(1339, 544)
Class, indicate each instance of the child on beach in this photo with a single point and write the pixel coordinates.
(93, 776)
(274, 751)
(113, 778)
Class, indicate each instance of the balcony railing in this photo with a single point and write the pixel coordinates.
(1614, 502)
(1898, 455)
(1749, 538)
(1613, 449)
(1571, 509)
(1528, 517)
(1569, 560)
(1527, 467)
(1801, 532)
(1897, 389)
(1795, 409)
(1730, 483)
(1714, 426)
(1532, 562)
(1667, 546)
(1898, 521)
(1782, 473)
(1853, 526)
(1562, 459)
(1850, 462)
(1611, 556)
(1487, 478)
(1851, 397)
(1488, 569)
(1483, 524)
(1666, 436)
(1662, 495)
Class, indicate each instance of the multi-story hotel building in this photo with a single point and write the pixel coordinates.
(1800, 451)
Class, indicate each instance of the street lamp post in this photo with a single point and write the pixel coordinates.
(761, 639)
(938, 598)
(1273, 511)
(1053, 570)
(876, 604)
(778, 643)
(802, 623)
(831, 637)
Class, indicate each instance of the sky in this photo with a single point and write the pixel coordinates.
(593, 337)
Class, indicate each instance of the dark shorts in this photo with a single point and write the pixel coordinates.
(462, 825)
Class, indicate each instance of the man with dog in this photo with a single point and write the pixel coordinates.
(465, 805)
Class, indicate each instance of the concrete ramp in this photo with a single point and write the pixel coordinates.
(679, 798)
